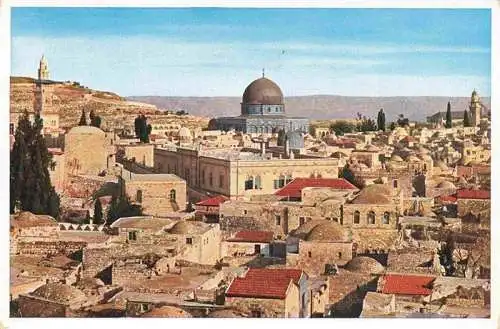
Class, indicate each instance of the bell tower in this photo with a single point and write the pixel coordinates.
(43, 69)
(475, 109)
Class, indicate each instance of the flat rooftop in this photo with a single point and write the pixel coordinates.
(130, 176)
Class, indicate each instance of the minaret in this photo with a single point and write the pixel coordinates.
(43, 69)
(475, 109)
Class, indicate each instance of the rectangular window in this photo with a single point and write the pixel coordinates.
(278, 219)
(189, 240)
(221, 181)
(132, 236)
(302, 220)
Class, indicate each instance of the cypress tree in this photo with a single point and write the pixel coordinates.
(83, 119)
(448, 116)
(381, 120)
(31, 188)
(95, 120)
(97, 211)
(466, 119)
(137, 126)
(112, 210)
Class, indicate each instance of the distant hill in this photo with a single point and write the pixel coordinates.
(319, 107)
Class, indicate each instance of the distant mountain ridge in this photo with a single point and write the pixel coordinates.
(320, 107)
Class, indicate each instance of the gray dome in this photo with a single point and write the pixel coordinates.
(263, 91)
(362, 264)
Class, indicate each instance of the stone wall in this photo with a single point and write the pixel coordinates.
(230, 249)
(143, 153)
(155, 198)
(48, 247)
(314, 255)
(85, 151)
(30, 306)
(380, 240)
(268, 308)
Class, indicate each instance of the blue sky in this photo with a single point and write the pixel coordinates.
(217, 52)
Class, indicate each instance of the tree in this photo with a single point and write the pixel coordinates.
(281, 137)
(142, 129)
(448, 116)
(402, 121)
(466, 119)
(342, 127)
(30, 185)
(83, 119)
(97, 212)
(349, 176)
(95, 120)
(365, 124)
(381, 120)
(121, 207)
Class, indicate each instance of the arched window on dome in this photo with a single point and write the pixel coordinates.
(370, 217)
(386, 218)
(356, 217)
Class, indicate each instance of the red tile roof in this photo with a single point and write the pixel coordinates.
(252, 236)
(264, 283)
(55, 151)
(448, 198)
(213, 202)
(294, 188)
(402, 284)
(473, 194)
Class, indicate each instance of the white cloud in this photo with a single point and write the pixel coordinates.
(143, 65)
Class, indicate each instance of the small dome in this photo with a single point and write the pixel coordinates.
(226, 313)
(362, 264)
(167, 312)
(181, 227)
(446, 184)
(412, 158)
(374, 194)
(263, 91)
(326, 232)
(372, 148)
(59, 292)
(85, 130)
(396, 158)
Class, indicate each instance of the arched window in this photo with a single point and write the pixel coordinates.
(221, 181)
(370, 217)
(172, 195)
(210, 179)
(138, 196)
(356, 217)
(395, 183)
(386, 218)
(203, 177)
(309, 254)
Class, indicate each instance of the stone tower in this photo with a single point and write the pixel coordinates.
(475, 109)
(44, 96)
(43, 69)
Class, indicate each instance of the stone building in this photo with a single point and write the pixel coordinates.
(87, 151)
(270, 293)
(140, 153)
(262, 111)
(248, 243)
(158, 194)
(51, 300)
(326, 245)
(474, 206)
(373, 217)
(237, 173)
